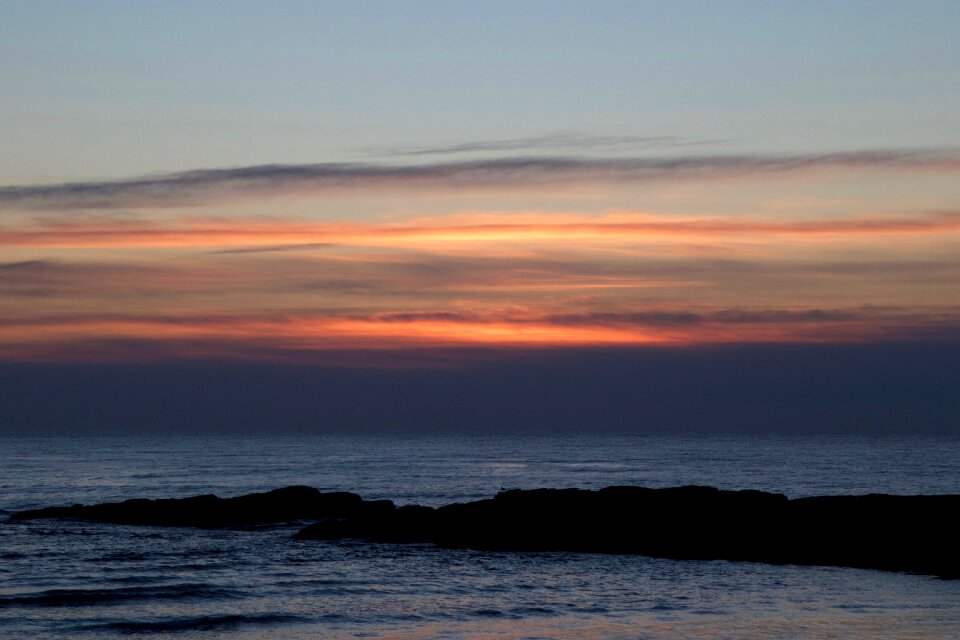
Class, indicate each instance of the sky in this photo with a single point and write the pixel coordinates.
(488, 216)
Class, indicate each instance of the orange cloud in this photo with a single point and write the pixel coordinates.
(292, 336)
(618, 228)
(290, 288)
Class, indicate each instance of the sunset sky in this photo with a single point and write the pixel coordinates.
(346, 204)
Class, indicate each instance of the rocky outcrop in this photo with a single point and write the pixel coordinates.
(291, 504)
(896, 533)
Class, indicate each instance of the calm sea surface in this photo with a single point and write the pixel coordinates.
(78, 580)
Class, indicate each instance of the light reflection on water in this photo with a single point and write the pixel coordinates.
(85, 581)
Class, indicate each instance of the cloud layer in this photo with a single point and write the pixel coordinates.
(206, 185)
(89, 272)
(621, 227)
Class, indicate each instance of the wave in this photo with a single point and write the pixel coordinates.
(532, 611)
(123, 556)
(199, 623)
(85, 597)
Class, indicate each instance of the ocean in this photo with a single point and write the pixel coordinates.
(76, 580)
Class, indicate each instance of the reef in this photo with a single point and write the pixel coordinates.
(888, 532)
(897, 533)
(290, 504)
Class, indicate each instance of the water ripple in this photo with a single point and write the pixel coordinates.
(84, 597)
(199, 623)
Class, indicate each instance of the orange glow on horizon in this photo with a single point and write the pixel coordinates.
(620, 228)
(242, 287)
(305, 335)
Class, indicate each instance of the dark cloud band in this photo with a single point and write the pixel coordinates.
(207, 185)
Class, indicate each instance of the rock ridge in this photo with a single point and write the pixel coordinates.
(877, 531)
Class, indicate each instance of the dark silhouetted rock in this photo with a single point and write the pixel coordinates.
(290, 504)
(898, 533)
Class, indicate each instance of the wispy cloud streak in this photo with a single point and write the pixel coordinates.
(278, 236)
(208, 185)
(298, 335)
(275, 248)
(557, 141)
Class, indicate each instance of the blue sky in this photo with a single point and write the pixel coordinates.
(105, 89)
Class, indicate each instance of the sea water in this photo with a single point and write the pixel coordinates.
(61, 579)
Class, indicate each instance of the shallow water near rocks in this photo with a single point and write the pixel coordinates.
(82, 580)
